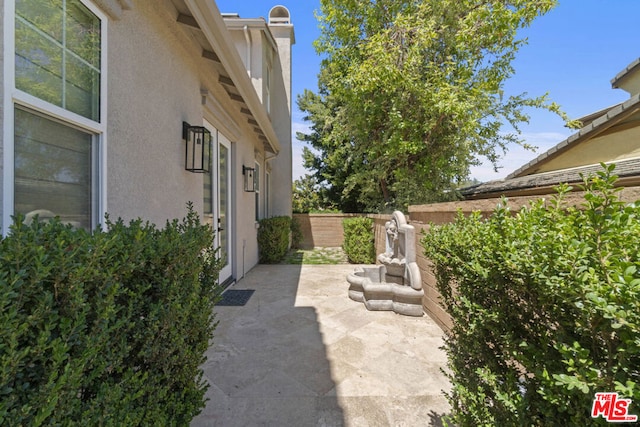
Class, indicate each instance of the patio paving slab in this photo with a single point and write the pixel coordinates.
(301, 353)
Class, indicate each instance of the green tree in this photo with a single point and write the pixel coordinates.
(411, 95)
(333, 162)
(306, 195)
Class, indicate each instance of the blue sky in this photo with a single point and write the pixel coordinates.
(573, 52)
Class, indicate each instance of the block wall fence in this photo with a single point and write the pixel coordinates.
(325, 230)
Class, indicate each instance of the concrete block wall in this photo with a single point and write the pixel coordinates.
(379, 232)
(431, 302)
(325, 230)
(321, 230)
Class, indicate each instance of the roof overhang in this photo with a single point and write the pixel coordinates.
(628, 172)
(618, 80)
(219, 47)
(237, 23)
(597, 127)
(115, 8)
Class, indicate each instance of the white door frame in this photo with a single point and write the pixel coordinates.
(222, 219)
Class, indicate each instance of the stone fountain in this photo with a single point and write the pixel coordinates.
(395, 284)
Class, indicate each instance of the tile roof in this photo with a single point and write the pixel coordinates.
(525, 178)
(622, 74)
(605, 121)
(624, 168)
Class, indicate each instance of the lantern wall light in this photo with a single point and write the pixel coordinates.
(198, 148)
(249, 179)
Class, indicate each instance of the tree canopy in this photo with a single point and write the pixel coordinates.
(411, 95)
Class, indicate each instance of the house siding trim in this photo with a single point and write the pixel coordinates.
(8, 22)
(114, 8)
(593, 129)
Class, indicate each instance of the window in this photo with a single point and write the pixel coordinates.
(54, 170)
(58, 54)
(268, 70)
(58, 134)
(267, 191)
(267, 89)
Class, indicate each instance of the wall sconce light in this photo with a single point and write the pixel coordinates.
(198, 148)
(249, 179)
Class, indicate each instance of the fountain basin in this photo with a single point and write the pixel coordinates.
(395, 285)
(367, 285)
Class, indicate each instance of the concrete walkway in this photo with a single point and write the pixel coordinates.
(301, 353)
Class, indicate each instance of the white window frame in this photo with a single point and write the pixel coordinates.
(268, 71)
(267, 194)
(14, 97)
(268, 89)
(256, 186)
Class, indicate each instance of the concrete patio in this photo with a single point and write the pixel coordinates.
(301, 353)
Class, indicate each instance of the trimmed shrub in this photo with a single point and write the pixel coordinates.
(545, 305)
(108, 328)
(359, 243)
(296, 233)
(273, 239)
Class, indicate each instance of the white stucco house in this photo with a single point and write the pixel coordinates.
(106, 104)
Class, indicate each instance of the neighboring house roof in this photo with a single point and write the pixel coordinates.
(614, 116)
(629, 70)
(586, 120)
(628, 172)
(613, 134)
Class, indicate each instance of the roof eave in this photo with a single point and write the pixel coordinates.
(628, 70)
(257, 23)
(213, 27)
(601, 124)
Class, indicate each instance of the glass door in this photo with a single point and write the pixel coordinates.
(224, 204)
(217, 199)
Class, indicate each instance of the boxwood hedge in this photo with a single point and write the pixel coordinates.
(273, 239)
(359, 243)
(545, 305)
(105, 328)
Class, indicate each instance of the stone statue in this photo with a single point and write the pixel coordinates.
(392, 238)
(396, 284)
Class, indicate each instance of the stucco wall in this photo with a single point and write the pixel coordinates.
(246, 226)
(619, 145)
(282, 171)
(280, 167)
(252, 57)
(153, 85)
(156, 78)
(155, 74)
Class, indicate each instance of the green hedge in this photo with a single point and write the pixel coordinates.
(107, 328)
(545, 305)
(296, 233)
(273, 239)
(359, 243)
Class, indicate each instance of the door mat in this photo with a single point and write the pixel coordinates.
(235, 297)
